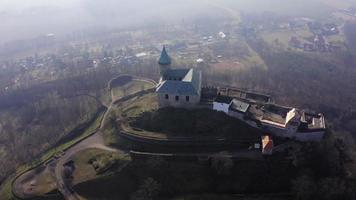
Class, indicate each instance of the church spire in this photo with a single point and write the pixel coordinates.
(164, 59)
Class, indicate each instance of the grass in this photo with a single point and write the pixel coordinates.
(336, 38)
(139, 105)
(130, 109)
(229, 197)
(296, 8)
(84, 162)
(254, 59)
(2, 152)
(143, 114)
(283, 37)
(5, 192)
(130, 88)
(304, 33)
(105, 97)
(110, 135)
(44, 182)
(177, 177)
(176, 122)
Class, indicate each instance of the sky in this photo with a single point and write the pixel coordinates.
(21, 19)
(6, 5)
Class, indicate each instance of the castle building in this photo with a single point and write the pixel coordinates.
(177, 87)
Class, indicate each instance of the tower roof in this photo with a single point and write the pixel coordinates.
(164, 59)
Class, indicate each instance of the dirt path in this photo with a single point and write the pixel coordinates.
(56, 166)
(94, 141)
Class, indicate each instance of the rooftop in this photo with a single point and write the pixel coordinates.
(176, 74)
(267, 145)
(223, 99)
(240, 106)
(164, 59)
(180, 81)
(314, 121)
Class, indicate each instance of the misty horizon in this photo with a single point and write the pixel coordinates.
(23, 19)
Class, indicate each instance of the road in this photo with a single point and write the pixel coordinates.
(94, 141)
(22, 185)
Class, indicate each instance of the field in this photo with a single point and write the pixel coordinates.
(127, 88)
(166, 179)
(43, 178)
(85, 167)
(196, 124)
(227, 65)
(281, 37)
(37, 182)
(135, 107)
(350, 31)
(233, 197)
(297, 8)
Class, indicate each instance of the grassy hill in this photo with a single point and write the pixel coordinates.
(177, 122)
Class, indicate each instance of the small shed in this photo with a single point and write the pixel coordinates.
(238, 109)
(222, 104)
(267, 145)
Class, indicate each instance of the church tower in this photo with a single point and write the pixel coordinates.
(164, 61)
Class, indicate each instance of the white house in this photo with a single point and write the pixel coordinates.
(222, 104)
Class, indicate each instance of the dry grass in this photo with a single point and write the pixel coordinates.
(84, 169)
(139, 105)
(130, 88)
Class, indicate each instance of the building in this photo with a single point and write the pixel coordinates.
(279, 121)
(178, 87)
(222, 104)
(164, 61)
(238, 109)
(183, 88)
(230, 106)
(267, 145)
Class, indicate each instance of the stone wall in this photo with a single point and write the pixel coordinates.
(171, 101)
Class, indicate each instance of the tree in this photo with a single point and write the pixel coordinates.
(222, 164)
(304, 187)
(332, 189)
(148, 190)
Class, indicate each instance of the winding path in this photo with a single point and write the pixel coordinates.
(94, 141)
(57, 165)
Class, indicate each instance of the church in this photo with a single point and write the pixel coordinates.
(177, 87)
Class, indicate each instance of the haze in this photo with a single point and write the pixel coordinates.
(22, 19)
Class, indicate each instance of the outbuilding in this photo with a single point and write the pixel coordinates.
(222, 104)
